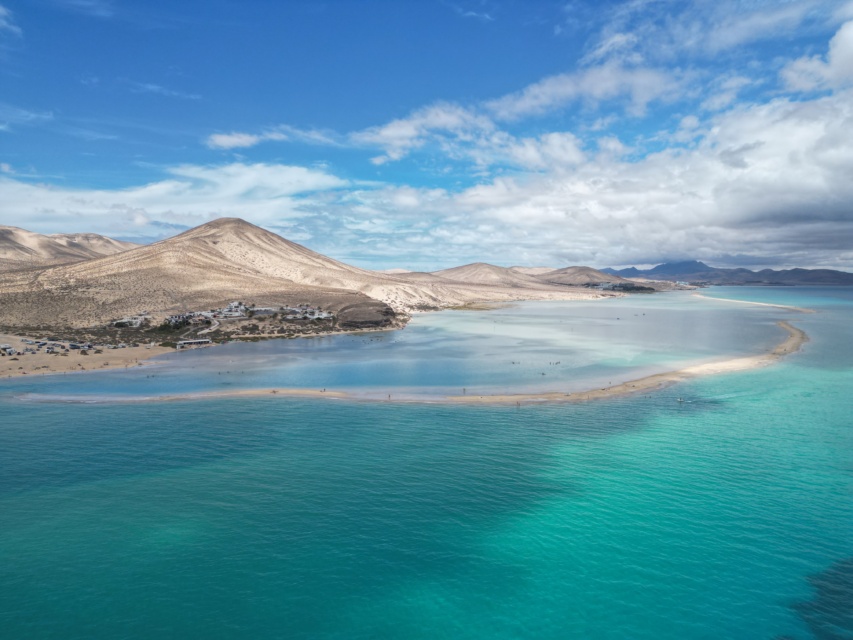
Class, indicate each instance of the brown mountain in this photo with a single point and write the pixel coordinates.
(489, 274)
(579, 276)
(230, 259)
(22, 249)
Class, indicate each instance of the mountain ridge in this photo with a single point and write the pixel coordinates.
(231, 259)
(699, 272)
(22, 249)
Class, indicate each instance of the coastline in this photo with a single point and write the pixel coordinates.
(45, 364)
(52, 364)
(792, 343)
(759, 304)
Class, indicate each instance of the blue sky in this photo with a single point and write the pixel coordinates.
(433, 133)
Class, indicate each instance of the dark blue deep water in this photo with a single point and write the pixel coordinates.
(726, 516)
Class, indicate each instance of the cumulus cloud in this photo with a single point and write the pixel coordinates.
(189, 195)
(819, 72)
(761, 180)
(399, 137)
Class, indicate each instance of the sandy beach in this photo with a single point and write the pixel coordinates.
(41, 363)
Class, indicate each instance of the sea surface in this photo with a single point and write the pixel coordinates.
(727, 515)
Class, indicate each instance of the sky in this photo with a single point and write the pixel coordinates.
(426, 134)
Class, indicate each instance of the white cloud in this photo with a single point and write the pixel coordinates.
(7, 23)
(593, 85)
(817, 72)
(11, 116)
(399, 137)
(769, 181)
(147, 87)
(725, 92)
(470, 13)
(96, 8)
(242, 140)
(191, 195)
(654, 30)
(234, 140)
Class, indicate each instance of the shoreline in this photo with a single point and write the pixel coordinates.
(55, 364)
(760, 304)
(44, 364)
(793, 342)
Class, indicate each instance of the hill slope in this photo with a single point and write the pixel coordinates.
(579, 276)
(22, 249)
(230, 259)
(488, 274)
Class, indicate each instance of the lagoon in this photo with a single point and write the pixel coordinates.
(728, 515)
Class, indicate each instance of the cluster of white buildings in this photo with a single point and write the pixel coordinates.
(236, 310)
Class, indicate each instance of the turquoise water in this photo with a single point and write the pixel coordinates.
(727, 516)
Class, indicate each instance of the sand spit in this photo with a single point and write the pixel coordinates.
(796, 338)
(792, 343)
(759, 304)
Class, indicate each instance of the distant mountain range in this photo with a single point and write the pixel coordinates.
(694, 271)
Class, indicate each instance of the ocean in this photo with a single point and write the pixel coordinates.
(726, 515)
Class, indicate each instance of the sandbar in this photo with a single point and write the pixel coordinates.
(757, 304)
(792, 343)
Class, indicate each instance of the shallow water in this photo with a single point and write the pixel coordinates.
(534, 346)
(727, 516)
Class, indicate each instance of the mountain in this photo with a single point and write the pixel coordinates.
(22, 249)
(579, 276)
(489, 274)
(230, 259)
(695, 271)
(532, 271)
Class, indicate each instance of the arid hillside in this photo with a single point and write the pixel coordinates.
(489, 274)
(22, 249)
(579, 276)
(230, 259)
